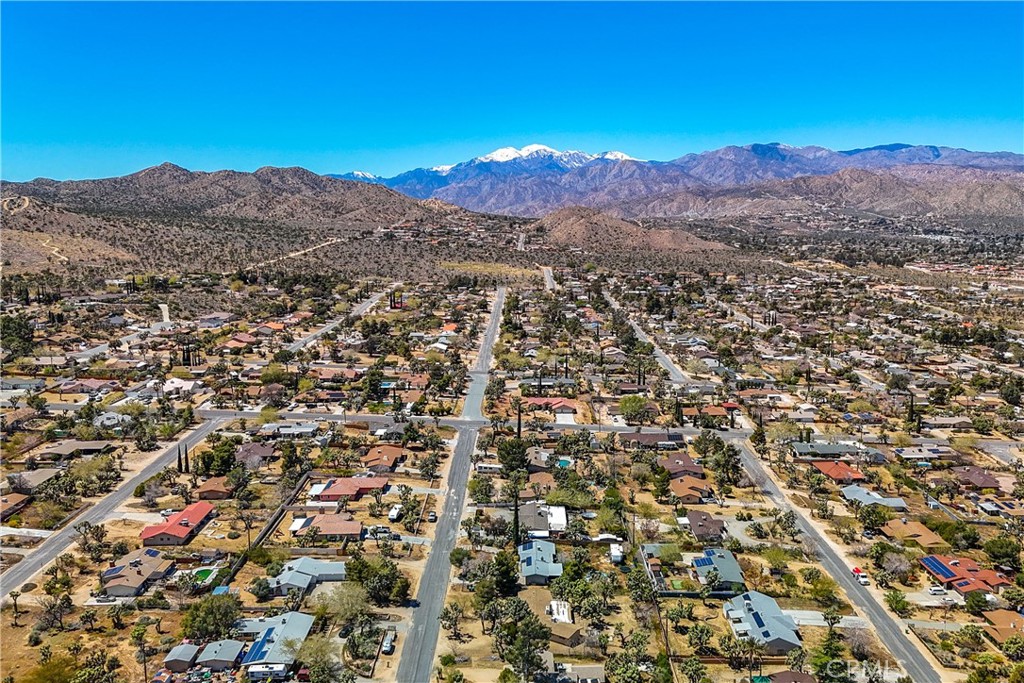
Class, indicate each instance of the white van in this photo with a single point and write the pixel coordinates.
(396, 513)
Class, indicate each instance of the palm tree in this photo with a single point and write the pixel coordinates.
(752, 651)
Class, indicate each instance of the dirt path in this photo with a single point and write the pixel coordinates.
(54, 251)
(9, 204)
(294, 254)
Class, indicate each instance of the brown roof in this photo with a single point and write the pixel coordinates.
(687, 485)
(1003, 623)
(215, 485)
(913, 531)
(334, 525)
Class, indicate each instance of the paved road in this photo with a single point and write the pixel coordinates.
(126, 341)
(62, 539)
(549, 278)
(355, 312)
(417, 662)
(674, 373)
(889, 630)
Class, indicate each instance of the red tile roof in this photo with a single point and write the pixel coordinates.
(181, 524)
(838, 471)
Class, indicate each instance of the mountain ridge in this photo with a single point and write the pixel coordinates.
(538, 179)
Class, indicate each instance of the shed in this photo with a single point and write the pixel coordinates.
(181, 658)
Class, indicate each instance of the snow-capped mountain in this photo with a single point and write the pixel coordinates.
(535, 179)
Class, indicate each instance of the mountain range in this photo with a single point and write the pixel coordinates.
(537, 179)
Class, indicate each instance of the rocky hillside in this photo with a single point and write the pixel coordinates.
(285, 194)
(907, 190)
(597, 232)
(167, 217)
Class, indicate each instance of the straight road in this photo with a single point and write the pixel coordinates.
(549, 278)
(674, 373)
(417, 662)
(126, 341)
(359, 310)
(889, 630)
(62, 539)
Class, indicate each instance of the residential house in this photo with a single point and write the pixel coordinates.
(11, 504)
(974, 478)
(29, 482)
(180, 527)
(69, 448)
(855, 493)
(181, 657)
(914, 534)
(557, 615)
(276, 640)
(723, 562)
(131, 574)
(963, 574)
(215, 488)
(220, 655)
(538, 563)
(346, 488)
(839, 472)
(305, 573)
(704, 527)
(383, 458)
(255, 452)
(690, 490)
(757, 616)
(329, 527)
(680, 465)
(1003, 624)
(543, 520)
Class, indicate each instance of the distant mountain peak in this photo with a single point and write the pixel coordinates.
(510, 153)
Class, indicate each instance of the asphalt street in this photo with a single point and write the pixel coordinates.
(355, 312)
(417, 662)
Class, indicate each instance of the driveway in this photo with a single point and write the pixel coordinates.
(925, 599)
(810, 617)
(564, 419)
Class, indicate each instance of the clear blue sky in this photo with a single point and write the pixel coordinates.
(93, 90)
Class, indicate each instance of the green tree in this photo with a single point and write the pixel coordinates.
(211, 618)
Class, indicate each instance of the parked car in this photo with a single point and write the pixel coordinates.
(431, 516)
(388, 647)
(936, 590)
(396, 513)
(863, 580)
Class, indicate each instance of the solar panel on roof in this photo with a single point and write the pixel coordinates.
(113, 570)
(938, 567)
(758, 620)
(259, 648)
(702, 562)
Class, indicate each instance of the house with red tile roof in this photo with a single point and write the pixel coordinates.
(180, 527)
(839, 472)
(963, 574)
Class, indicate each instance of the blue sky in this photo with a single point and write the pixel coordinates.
(94, 90)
